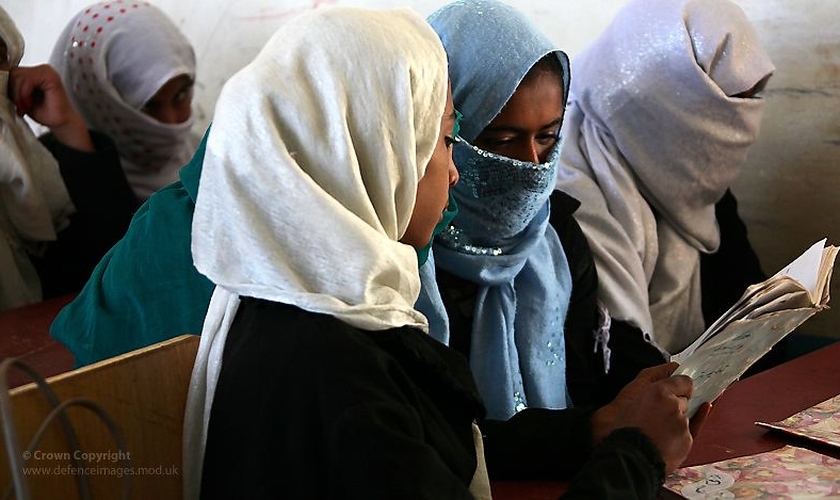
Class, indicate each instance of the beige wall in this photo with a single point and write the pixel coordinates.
(790, 188)
(788, 191)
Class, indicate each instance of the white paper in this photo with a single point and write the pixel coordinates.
(764, 315)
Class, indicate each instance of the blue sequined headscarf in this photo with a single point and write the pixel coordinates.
(524, 283)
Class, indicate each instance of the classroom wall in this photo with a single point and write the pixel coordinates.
(788, 191)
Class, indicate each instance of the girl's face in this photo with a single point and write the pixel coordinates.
(529, 124)
(173, 102)
(433, 187)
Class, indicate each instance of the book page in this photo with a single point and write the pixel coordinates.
(826, 270)
(758, 299)
(766, 313)
(806, 268)
(788, 298)
(726, 356)
(810, 271)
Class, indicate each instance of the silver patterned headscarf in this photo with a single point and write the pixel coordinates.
(654, 137)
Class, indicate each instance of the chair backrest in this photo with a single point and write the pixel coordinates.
(144, 392)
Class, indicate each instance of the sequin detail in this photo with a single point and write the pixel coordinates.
(506, 174)
(602, 335)
(498, 196)
(519, 402)
(456, 239)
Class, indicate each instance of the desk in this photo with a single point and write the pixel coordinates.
(769, 396)
(25, 333)
(730, 431)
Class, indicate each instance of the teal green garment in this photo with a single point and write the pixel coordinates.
(145, 289)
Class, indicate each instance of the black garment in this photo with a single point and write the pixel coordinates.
(629, 352)
(538, 444)
(585, 374)
(626, 466)
(726, 274)
(307, 406)
(104, 206)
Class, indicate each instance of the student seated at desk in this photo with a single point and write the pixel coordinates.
(655, 135)
(315, 376)
(513, 269)
(64, 198)
(145, 289)
(130, 72)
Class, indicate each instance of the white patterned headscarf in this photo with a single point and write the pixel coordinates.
(113, 57)
(310, 179)
(654, 137)
(34, 203)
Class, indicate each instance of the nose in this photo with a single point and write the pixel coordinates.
(161, 113)
(534, 151)
(171, 115)
(453, 174)
(529, 151)
(168, 115)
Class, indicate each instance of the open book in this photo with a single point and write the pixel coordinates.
(765, 314)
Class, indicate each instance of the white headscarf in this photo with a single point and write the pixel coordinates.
(653, 141)
(113, 57)
(309, 181)
(34, 203)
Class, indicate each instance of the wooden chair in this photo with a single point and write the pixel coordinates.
(144, 392)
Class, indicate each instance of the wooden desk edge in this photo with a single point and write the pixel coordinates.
(178, 342)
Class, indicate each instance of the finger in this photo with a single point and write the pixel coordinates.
(679, 385)
(15, 78)
(20, 90)
(696, 422)
(658, 372)
(682, 404)
(24, 101)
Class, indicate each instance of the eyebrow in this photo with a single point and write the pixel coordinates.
(510, 128)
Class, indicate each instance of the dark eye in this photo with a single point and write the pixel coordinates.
(497, 143)
(184, 94)
(449, 141)
(151, 107)
(548, 138)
